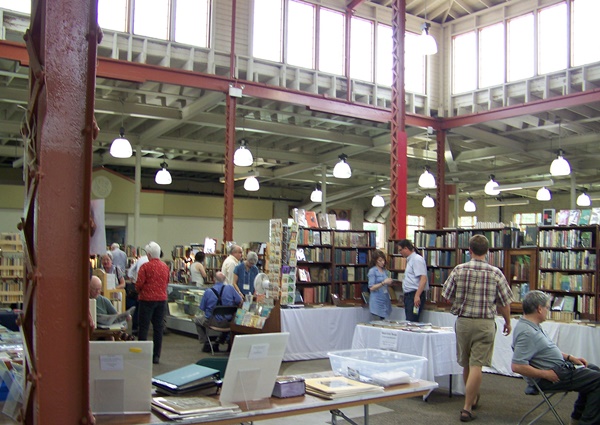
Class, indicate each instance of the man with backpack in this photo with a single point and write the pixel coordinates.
(219, 294)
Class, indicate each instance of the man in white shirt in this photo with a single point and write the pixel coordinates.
(119, 256)
(235, 255)
(133, 270)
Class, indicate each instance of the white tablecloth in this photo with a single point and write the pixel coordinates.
(438, 348)
(316, 331)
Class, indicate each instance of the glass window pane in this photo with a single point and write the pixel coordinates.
(361, 49)
(151, 18)
(491, 55)
(585, 28)
(520, 48)
(552, 44)
(301, 34)
(112, 14)
(464, 65)
(331, 42)
(266, 35)
(23, 6)
(192, 22)
(414, 64)
(385, 49)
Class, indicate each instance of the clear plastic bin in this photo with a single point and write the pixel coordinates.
(380, 366)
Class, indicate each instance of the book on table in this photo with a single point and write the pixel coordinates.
(193, 404)
(188, 378)
(333, 387)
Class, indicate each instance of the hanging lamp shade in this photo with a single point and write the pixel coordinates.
(316, 195)
(560, 166)
(470, 205)
(378, 201)
(491, 187)
(242, 156)
(251, 184)
(584, 200)
(120, 147)
(163, 176)
(428, 202)
(428, 43)
(427, 180)
(342, 169)
(543, 194)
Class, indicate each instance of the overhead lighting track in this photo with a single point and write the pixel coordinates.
(524, 185)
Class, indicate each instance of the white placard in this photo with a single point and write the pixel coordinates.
(111, 362)
(388, 340)
(258, 351)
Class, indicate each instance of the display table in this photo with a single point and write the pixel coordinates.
(439, 348)
(316, 331)
(285, 407)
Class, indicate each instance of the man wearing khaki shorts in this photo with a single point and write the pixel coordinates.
(477, 290)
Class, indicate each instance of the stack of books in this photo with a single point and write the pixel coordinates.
(177, 408)
(192, 377)
(334, 387)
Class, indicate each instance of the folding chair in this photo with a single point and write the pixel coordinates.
(547, 400)
(220, 311)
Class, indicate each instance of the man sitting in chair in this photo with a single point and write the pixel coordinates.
(219, 294)
(537, 357)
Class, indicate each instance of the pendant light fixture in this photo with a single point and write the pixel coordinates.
(163, 176)
(316, 195)
(560, 166)
(428, 201)
(342, 169)
(543, 194)
(428, 43)
(242, 156)
(378, 201)
(584, 200)
(251, 183)
(120, 147)
(427, 180)
(491, 187)
(470, 205)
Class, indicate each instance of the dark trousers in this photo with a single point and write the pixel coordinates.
(409, 303)
(151, 312)
(586, 381)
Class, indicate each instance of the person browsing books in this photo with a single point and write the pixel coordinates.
(151, 285)
(103, 304)
(197, 270)
(115, 277)
(245, 273)
(234, 258)
(414, 283)
(380, 303)
(119, 256)
(478, 290)
(219, 294)
(537, 357)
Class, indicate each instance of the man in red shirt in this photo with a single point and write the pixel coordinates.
(151, 286)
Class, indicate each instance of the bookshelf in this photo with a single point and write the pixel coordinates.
(212, 265)
(520, 271)
(568, 268)
(314, 264)
(352, 257)
(12, 269)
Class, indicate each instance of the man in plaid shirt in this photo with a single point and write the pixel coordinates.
(477, 290)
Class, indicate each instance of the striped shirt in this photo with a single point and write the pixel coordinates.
(476, 287)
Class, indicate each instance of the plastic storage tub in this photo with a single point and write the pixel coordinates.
(380, 366)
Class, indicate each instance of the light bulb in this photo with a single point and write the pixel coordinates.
(378, 201)
(470, 205)
(491, 187)
(427, 180)
(543, 194)
(428, 202)
(560, 166)
(584, 200)
(251, 184)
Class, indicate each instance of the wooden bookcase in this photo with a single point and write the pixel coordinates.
(12, 269)
(314, 264)
(568, 268)
(521, 272)
(352, 257)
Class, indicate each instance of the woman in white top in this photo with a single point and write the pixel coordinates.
(115, 277)
(197, 270)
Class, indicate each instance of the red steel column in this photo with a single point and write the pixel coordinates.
(58, 135)
(441, 212)
(230, 106)
(398, 157)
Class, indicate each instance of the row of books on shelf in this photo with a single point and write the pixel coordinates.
(397, 263)
(353, 256)
(315, 294)
(495, 258)
(574, 260)
(584, 304)
(306, 218)
(13, 259)
(351, 274)
(314, 237)
(557, 281)
(213, 261)
(507, 237)
(433, 240)
(17, 273)
(572, 238)
(354, 239)
(438, 276)
(439, 258)
(434, 296)
(314, 274)
(578, 217)
(520, 269)
(349, 291)
(316, 254)
(519, 291)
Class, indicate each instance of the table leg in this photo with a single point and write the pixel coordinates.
(450, 385)
(336, 412)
